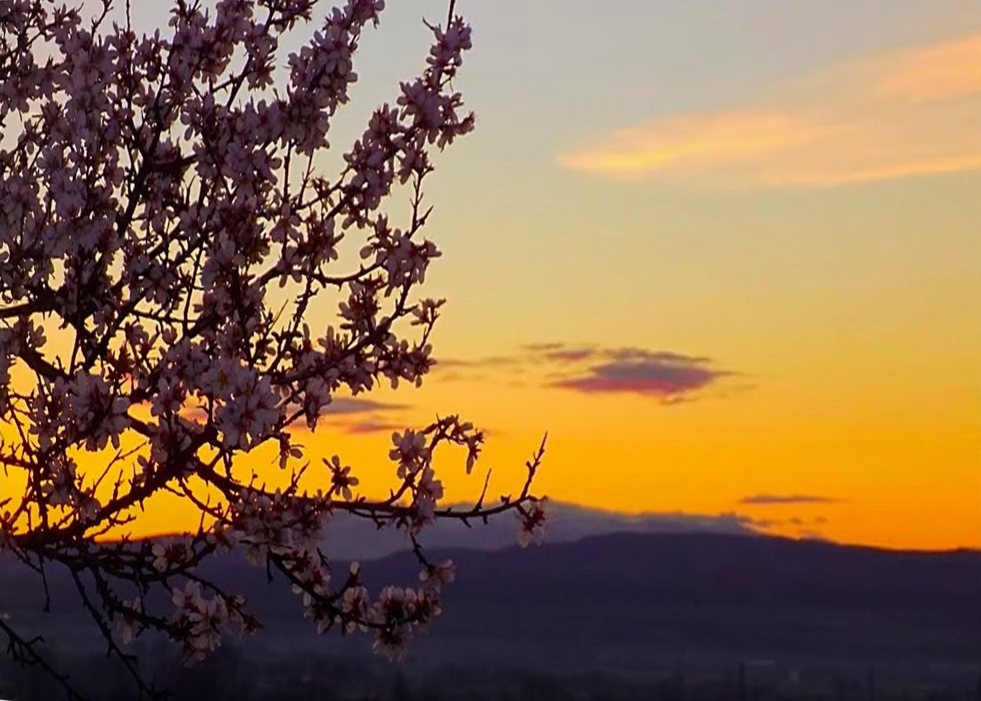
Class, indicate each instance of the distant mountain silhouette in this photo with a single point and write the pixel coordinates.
(350, 537)
(633, 600)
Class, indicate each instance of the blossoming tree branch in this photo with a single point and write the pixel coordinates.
(165, 231)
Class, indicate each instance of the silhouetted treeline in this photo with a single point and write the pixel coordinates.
(235, 674)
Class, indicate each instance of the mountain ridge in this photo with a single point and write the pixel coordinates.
(623, 599)
(348, 537)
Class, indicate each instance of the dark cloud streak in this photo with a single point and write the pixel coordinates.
(370, 426)
(788, 499)
(670, 377)
(356, 405)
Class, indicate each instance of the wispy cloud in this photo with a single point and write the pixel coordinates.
(786, 499)
(934, 73)
(357, 405)
(903, 113)
(561, 352)
(338, 413)
(544, 347)
(357, 415)
(370, 426)
(568, 355)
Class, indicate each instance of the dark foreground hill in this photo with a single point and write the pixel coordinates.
(635, 601)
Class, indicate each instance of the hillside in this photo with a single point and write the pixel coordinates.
(349, 537)
(627, 599)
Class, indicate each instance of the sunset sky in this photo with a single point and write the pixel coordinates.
(774, 204)
(728, 254)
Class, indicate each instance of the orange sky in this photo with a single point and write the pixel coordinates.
(772, 290)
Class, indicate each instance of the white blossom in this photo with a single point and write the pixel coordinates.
(157, 192)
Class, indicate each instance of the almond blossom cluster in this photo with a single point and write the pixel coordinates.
(165, 232)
